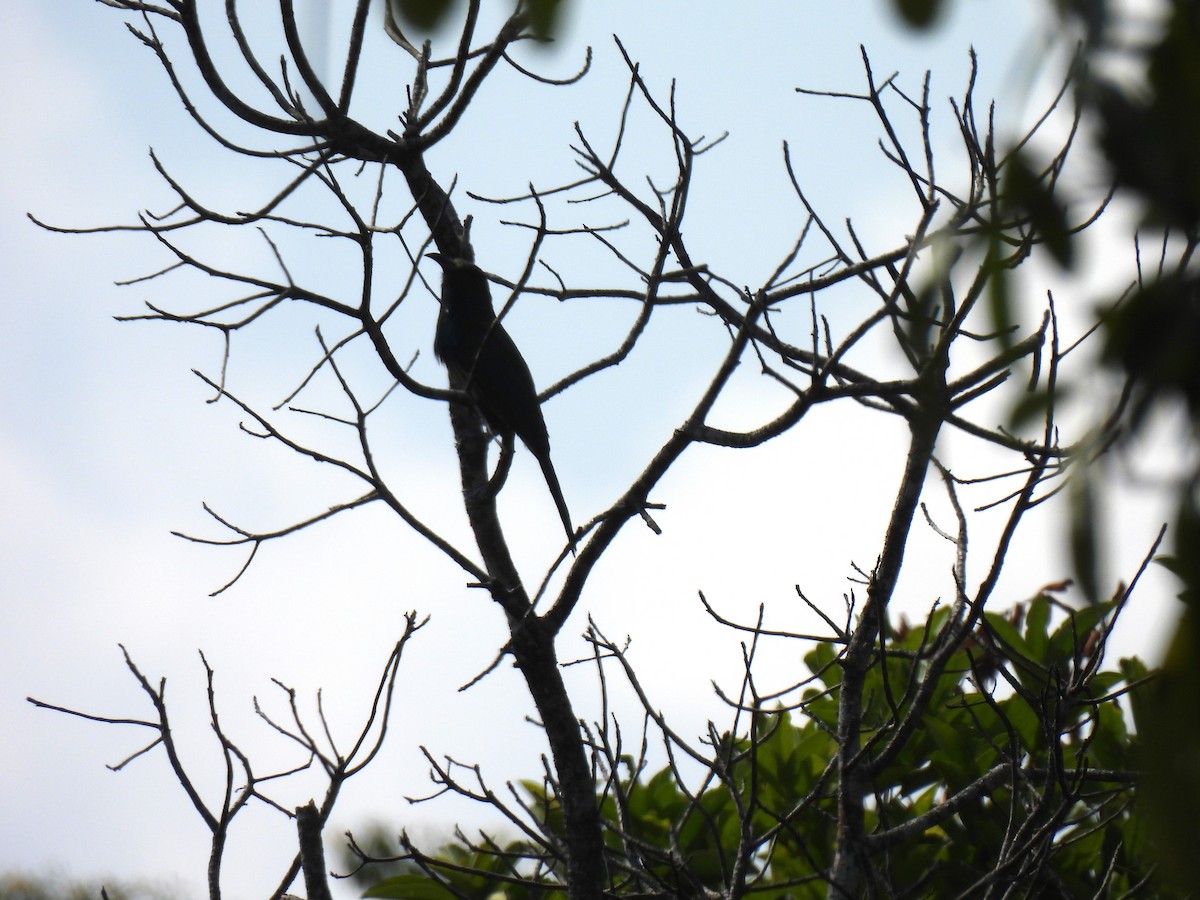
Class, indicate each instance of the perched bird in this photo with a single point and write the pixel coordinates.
(471, 343)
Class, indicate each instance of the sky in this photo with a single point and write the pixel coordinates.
(109, 443)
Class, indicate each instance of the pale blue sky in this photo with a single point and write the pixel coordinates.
(107, 444)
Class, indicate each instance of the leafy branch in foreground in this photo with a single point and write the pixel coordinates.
(1020, 774)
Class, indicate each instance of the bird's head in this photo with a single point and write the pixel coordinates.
(457, 271)
(464, 286)
(451, 263)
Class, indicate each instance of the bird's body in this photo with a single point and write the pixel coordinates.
(474, 345)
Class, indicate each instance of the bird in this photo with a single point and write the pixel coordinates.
(474, 346)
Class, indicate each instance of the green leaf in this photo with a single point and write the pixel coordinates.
(1170, 748)
(424, 14)
(1032, 405)
(1010, 639)
(1069, 638)
(951, 758)
(1037, 626)
(819, 660)
(543, 17)
(1152, 137)
(1151, 334)
(408, 887)
(1084, 540)
(1025, 722)
(1031, 197)
(919, 13)
(999, 299)
(1109, 744)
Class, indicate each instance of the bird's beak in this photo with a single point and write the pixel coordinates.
(438, 258)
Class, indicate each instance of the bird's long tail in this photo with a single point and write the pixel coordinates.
(559, 500)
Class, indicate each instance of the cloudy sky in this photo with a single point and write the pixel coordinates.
(108, 442)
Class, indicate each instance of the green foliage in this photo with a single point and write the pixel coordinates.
(1165, 715)
(1023, 692)
(1146, 118)
(1152, 335)
(471, 873)
(1084, 541)
(17, 886)
(1029, 211)
(1151, 135)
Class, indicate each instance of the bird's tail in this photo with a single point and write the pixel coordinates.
(559, 500)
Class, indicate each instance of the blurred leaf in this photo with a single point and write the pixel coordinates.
(1083, 535)
(999, 300)
(1185, 570)
(1152, 136)
(1032, 405)
(423, 14)
(427, 15)
(1170, 748)
(1165, 716)
(1093, 14)
(1031, 197)
(543, 16)
(1154, 334)
(408, 887)
(919, 13)
(920, 319)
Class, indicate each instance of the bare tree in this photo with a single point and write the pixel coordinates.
(242, 783)
(942, 354)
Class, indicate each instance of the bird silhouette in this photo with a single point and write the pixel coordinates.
(472, 344)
